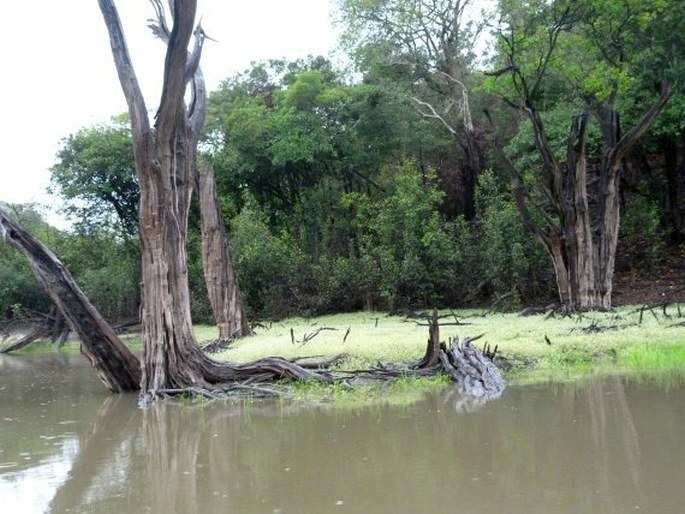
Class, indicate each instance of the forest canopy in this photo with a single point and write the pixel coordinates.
(428, 173)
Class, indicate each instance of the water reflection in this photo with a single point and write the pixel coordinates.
(604, 446)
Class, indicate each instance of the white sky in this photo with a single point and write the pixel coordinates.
(58, 74)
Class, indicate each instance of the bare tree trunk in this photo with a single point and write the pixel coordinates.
(222, 283)
(166, 162)
(117, 366)
(582, 245)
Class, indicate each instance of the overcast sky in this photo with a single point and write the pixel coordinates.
(58, 74)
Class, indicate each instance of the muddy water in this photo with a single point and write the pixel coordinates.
(607, 445)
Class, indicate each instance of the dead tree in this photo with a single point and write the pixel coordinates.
(165, 158)
(220, 277)
(116, 365)
(473, 369)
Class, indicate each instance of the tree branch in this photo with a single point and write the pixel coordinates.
(140, 125)
(518, 189)
(630, 138)
(173, 91)
(432, 114)
(193, 72)
(466, 108)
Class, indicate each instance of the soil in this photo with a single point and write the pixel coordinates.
(652, 283)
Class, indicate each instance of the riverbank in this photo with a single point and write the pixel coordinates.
(530, 348)
(537, 348)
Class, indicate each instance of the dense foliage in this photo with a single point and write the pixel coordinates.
(383, 186)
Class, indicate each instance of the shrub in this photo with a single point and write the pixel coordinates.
(266, 265)
(406, 250)
(511, 260)
(642, 238)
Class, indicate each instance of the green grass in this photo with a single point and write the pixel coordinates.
(402, 391)
(532, 348)
(371, 337)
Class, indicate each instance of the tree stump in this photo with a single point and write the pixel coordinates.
(473, 369)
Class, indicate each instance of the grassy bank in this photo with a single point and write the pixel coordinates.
(532, 348)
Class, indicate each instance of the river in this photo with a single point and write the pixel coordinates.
(602, 445)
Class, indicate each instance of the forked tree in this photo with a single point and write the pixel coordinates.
(165, 158)
(579, 223)
(220, 278)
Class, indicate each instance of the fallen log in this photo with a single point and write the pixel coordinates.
(50, 326)
(116, 365)
(39, 332)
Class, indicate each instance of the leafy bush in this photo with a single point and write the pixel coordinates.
(19, 289)
(642, 238)
(106, 268)
(511, 260)
(406, 250)
(266, 265)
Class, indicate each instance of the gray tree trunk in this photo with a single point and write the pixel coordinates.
(166, 162)
(222, 283)
(582, 239)
(116, 365)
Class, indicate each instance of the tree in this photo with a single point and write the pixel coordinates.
(220, 277)
(427, 48)
(116, 365)
(539, 44)
(95, 175)
(165, 157)
(406, 250)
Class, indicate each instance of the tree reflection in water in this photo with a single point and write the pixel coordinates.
(551, 448)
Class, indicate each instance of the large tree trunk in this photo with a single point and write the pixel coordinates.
(568, 239)
(222, 283)
(166, 162)
(116, 365)
(582, 240)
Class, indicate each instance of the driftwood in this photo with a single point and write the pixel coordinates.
(50, 326)
(535, 310)
(661, 305)
(473, 369)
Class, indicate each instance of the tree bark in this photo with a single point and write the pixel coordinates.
(474, 370)
(166, 163)
(116, 365)
(582, 245)
(222, 283)
(432, 356)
